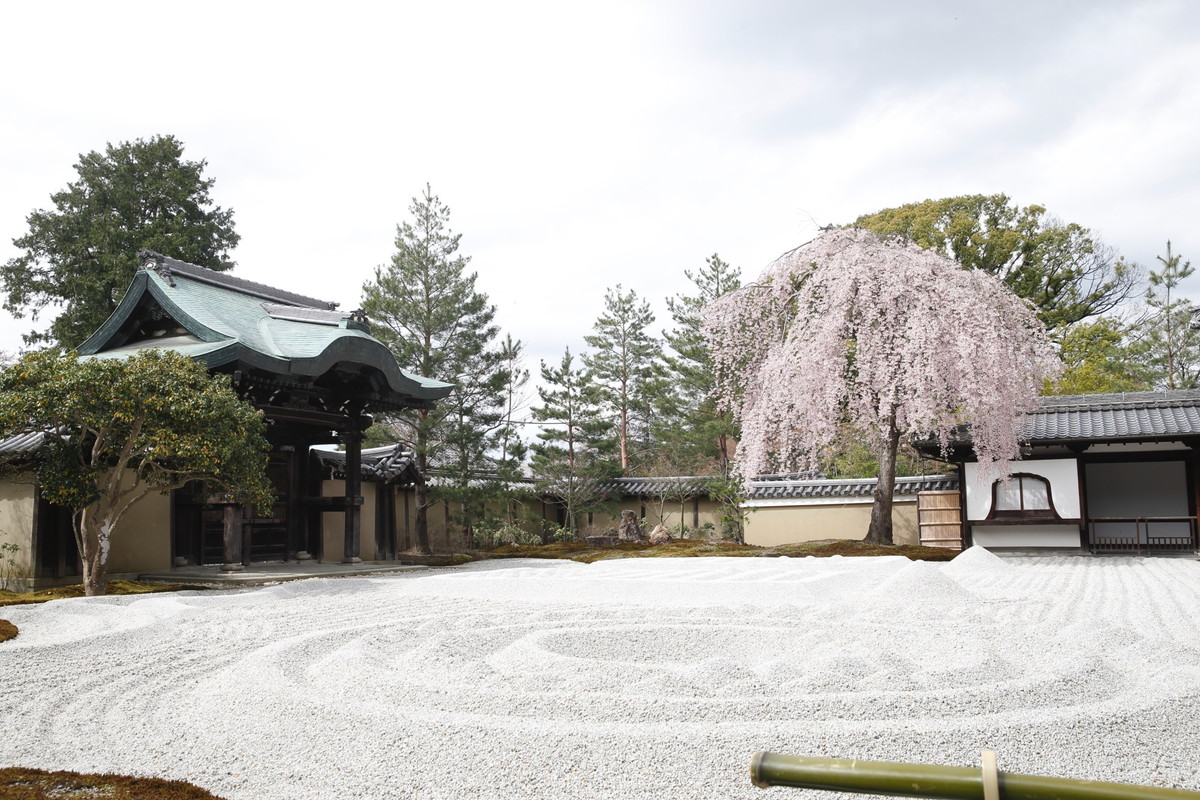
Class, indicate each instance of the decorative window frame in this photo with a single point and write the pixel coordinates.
(1024, 515)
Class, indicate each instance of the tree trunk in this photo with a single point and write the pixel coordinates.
(93, 538)
(421, 522)
(880, 531)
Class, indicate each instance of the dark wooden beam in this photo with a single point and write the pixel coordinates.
(352, 439)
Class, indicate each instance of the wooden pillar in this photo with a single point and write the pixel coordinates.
(352, 439)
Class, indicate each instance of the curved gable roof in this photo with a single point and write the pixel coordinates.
(221, 320)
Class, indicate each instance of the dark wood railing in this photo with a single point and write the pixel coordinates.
(1142, 540)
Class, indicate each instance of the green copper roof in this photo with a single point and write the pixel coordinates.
(222, 320)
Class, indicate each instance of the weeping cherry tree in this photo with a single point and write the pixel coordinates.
(880, 336)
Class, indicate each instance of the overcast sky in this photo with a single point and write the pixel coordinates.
(583, 146)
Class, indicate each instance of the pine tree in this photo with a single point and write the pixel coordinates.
(425, 307)
(692, 428)
(624, 361)
(508, 448)
(1169, 349)
(572, 458)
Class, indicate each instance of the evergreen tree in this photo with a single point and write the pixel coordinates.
(624, 361)
(572, 458)
(1064, 269)
(425, 307)
(83, 253)
(693, 429)
(1169, 348)
(1098, 358)
(116, 430)
(510, 448)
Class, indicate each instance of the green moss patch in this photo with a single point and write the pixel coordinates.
(18, 783)
(76, 590)
(585, 553)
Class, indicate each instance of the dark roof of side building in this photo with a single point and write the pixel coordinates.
(1115, 417)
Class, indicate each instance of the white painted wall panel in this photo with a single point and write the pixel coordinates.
(1061, 473)
(1025, 535)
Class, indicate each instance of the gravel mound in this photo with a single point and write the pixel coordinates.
(620, 679)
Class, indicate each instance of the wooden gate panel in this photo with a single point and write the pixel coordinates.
(939, 519)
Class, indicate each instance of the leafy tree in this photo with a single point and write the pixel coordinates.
(425, 307)
(1169, 348)
(82, 254)
(1065, 270)
(572, 458)
(1098, 359)
(119, 429)
(623, 362)
(881, 335)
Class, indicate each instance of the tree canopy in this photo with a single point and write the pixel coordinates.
(882, 336)
(82, 253)
(118, 429)
(623, 361)
(690, 426)
(1064, 269)
(424, 306)
(572, 458)
(1098, 358)
(1168, 347)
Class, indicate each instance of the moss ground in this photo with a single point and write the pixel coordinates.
(8, 598)
(17, 783)
(686, 548)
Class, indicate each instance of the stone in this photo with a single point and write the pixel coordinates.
(660, 535)
(630, 530)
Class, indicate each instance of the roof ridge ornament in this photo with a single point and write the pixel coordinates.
(150, 260)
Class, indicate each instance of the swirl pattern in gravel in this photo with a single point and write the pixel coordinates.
(653, 678)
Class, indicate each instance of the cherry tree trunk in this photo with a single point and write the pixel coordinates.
(880, 531)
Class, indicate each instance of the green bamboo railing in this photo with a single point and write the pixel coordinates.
(928, 780)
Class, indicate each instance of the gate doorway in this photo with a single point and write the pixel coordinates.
(199, 531)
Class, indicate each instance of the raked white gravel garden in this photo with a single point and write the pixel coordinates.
(639, 678)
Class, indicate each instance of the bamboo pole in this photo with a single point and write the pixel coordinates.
(928, 780)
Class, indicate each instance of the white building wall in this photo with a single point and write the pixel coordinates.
(1025, 535)
(1061, 473)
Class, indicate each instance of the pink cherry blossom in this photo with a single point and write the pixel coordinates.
(881, 335)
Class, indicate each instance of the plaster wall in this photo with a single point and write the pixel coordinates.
(333, 523)
(18, 500)
(767, 526)
(142, 541)
(669, 515)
